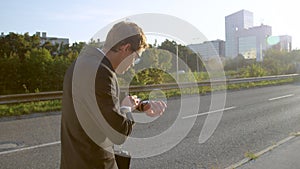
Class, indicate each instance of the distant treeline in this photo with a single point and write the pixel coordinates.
(26, 65)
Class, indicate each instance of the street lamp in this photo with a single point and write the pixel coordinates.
(177, 78)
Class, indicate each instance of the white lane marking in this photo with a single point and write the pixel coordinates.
(29, 148)
(281, 97)
(202, 114)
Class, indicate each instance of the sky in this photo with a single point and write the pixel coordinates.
(79, 20)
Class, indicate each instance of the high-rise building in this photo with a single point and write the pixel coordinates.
(282, 43)
(242, 38)
(253, 41)
(233, 23)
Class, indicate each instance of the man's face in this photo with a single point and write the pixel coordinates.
(127, 60)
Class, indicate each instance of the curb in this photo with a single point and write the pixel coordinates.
(260, 153)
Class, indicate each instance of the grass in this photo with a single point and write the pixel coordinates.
(55, 105)
(251, 155)
(31, 107)
(207, 89)
(296, 134)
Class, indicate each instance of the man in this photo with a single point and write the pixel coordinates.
(93, 119)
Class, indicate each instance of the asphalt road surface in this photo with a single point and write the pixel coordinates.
(252, 120)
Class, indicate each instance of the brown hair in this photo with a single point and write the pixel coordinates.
(123, 33)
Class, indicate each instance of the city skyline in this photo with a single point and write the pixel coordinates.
(79, 21)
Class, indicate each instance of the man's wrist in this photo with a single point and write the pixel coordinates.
(126, 110)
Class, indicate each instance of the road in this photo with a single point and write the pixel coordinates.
(252, 120)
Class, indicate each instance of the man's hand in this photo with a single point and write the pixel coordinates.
(130, 101)
(155, 108)
(152, 108)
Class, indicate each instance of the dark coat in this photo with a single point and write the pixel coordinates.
(88, 144)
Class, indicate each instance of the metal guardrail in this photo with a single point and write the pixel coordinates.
(30, 97)
(206, 83)
(42, 96)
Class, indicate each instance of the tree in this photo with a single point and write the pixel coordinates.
(155, 58)
(238, 63)
(254, 70)
(17, 44)
(150, 69)
(9, 75)
(190, 60)
(26, 65)
(77, 46)
(279, 62)
(35, 70)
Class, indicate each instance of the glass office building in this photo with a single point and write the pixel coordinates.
(247, 47)
(233, 23)
(242, 38)
(254, 41)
